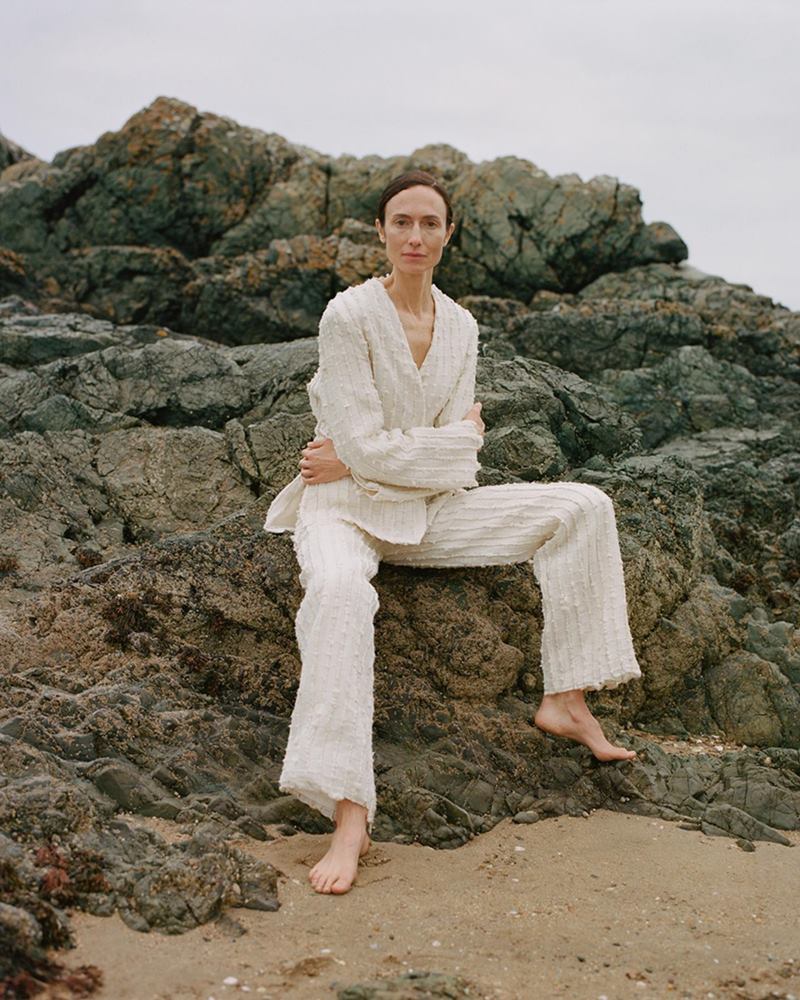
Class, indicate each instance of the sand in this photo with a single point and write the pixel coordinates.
(610, 905)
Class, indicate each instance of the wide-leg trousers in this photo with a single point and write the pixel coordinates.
(566, 529)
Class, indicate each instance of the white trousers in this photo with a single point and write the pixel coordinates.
(567, 530)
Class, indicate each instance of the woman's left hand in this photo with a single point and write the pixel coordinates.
(320, 463)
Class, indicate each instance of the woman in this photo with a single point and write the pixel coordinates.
(387, 477)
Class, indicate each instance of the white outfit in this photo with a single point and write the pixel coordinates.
(400, 430)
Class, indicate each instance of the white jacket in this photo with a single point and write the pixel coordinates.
(399, 429)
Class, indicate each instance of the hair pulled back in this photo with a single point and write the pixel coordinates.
(410, 179)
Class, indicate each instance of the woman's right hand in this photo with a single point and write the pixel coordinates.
(474, 414)
(321, 464)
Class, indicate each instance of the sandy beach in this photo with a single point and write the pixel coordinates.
(611, 905)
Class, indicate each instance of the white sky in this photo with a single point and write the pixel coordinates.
(694, 102)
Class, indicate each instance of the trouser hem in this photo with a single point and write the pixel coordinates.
(608, 683)
(311, 793)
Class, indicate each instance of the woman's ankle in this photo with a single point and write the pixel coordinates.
(572, 697)
(350, 814)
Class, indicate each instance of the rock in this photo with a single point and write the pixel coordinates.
(742, 326)
(182, 893)
(753, 701)
(726, 820)
(412, 985)
(30, 338)
(11, 152)
(689, 392)
(258, 883)
(132, 791)
(19, 931)
(199, 261)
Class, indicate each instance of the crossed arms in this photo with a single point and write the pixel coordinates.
(392, 464)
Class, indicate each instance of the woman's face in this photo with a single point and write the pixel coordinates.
(415, 231)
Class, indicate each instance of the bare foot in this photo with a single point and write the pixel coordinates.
(336, 871)
(567, 714)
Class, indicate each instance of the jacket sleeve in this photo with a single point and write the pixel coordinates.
(389, 464)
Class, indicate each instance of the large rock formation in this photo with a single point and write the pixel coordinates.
(190, 220)
(163, 290)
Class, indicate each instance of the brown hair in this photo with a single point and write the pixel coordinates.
(410, 179)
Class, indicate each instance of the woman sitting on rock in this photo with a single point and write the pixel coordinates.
(390, 475)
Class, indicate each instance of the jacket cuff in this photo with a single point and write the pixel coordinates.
(387, 492)
(471, 425)
(451, 477)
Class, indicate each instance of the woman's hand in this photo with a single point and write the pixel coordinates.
(474, 414)
(320, 463)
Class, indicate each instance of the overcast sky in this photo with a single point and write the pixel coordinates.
(694, 102)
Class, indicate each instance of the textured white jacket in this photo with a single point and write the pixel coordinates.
(399, 428)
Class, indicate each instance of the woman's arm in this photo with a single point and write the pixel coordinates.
(391, 464)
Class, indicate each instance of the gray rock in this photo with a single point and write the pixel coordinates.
(753, 701)
(12, 152)
(188, 250)
(122, 782)
(413, 985)
(725, 820)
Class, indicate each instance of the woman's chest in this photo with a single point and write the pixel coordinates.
(419, 335)
(411, 393)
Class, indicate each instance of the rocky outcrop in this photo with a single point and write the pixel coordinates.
(12, 152)
(191, 220)
(147, 655)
